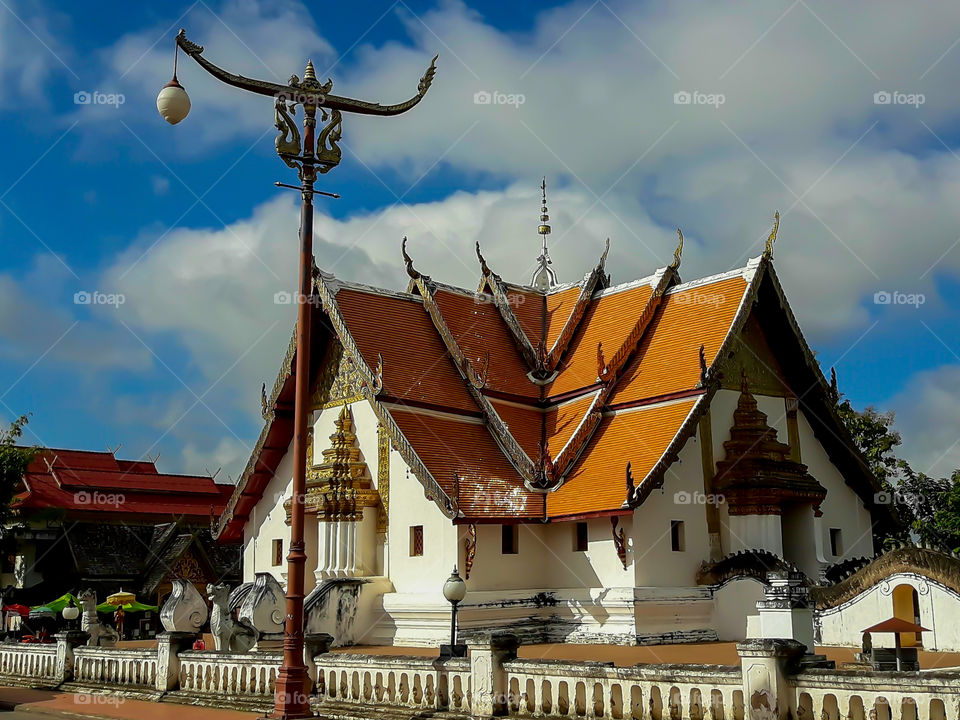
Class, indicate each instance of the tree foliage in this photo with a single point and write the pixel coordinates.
(929, 508)
(14, 460)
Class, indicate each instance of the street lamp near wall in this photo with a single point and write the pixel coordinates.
(311, 153)
(70, 613)
(454, 590)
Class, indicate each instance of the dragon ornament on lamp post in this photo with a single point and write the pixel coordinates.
(309, 154)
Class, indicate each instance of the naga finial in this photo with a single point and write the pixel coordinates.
(703, 365)
(483, 263)
(411, 270)
(768, 251)
(675, 265)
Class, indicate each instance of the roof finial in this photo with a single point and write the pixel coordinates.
(310, 73)
(411, 271)
(544, 277)
(675, 265)
(768, 251)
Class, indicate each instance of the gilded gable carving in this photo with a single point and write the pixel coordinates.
(338, 380)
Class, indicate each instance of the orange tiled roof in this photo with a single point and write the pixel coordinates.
(608, 320)
(668, 359)
(420, 335)
(453, 416)
(559, 307)
(598, 479)
(479, 329)
(415, 366)
(489, 484)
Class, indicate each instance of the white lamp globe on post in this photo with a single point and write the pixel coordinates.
(454, 590)
(70, 613)
(173, 103)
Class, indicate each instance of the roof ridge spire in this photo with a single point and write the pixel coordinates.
(544, 277)
(772, 238)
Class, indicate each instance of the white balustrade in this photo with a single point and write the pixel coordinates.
(28, 660)
(113, 666)
(855, 695)
(232, 674)
(600, 690)
(413, 682)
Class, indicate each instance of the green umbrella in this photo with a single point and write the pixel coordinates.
(127, 607)
(61, 602)
(42, 611)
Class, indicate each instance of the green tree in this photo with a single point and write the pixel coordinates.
(14, 460)
(928, 508)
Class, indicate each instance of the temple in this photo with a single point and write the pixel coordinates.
(597, 459)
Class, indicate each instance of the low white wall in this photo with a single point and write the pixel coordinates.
(939, 610)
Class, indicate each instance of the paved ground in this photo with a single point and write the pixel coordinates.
(25, 704)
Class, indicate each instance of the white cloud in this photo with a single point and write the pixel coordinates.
(928, 416)
(868, 193)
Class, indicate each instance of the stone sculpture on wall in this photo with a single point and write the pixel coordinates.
(185, 610)
(264, 606)
(228, 634)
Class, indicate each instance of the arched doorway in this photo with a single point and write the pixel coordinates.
(906, 606)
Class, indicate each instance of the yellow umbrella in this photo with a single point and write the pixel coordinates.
(121, 598)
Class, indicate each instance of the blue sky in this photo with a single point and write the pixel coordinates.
(184, 222)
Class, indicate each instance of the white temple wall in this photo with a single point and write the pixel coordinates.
(842, 509)
(939, 610)
(268, 522)
(732, 604)
(681, 499)
(597, 567)
(408, 508)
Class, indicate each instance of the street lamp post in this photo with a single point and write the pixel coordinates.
(315, 153)
(454, 590)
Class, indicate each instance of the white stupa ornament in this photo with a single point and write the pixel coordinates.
(544, 277)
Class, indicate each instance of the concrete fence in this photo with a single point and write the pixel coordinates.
(773, 681)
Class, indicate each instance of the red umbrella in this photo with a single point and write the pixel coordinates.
(21, 610)
(896, 626)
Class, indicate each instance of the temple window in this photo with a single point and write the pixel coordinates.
(836, 542)
(416, 541)
(580, 537)
(509, 539)
(277, 552)
(677, 539)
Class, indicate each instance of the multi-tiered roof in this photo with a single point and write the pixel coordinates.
(514, 402)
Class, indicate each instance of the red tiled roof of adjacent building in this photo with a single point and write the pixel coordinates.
(79, 481)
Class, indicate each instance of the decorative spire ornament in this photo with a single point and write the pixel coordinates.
(768, 250)
(544, 277)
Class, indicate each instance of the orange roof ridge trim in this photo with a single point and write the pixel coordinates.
(587, 288)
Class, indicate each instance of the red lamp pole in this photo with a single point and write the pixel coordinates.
(316, 153)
